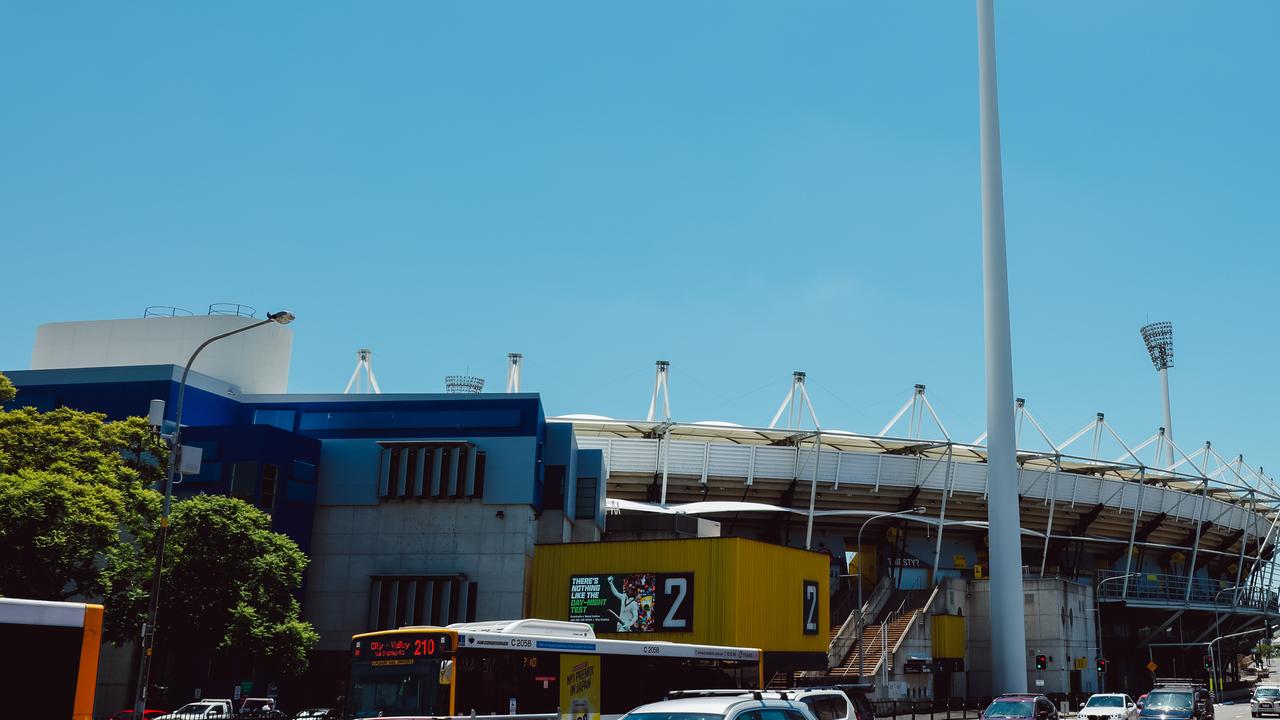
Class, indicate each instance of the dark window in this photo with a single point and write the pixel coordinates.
(282, 419)
(553, 487)
(244, 480)
(431, 471)
(398, 601)
(587, 500)
(478, 491)
(270, 476)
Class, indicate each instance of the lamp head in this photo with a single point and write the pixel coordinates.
(284, 317)
(920, 509)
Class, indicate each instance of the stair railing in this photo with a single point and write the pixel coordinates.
(847, 636)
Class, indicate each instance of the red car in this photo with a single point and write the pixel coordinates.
(146, 714)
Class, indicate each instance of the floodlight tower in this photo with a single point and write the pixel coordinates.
(1158, 337)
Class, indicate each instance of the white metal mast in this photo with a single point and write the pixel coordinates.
(514, 360)
(660, 384)
(795, 404)
(362, 379)
(1158, 337)
(1008, 639)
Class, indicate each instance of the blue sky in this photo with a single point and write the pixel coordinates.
(741, 188)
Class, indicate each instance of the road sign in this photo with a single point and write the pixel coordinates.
(1152, 666)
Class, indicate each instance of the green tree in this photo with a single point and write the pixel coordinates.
(78, 518)
(75, 507)
(230, 570)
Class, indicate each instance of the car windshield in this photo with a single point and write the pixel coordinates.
(1011, 708)
(1105, 701)
(1267, 692)
(1168, 701)
(192, 708)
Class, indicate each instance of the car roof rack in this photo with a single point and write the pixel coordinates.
(1176, 682)
(726, 692)
(826, 684)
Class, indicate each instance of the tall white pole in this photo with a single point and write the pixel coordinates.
(1008, 639)
(1168, 417)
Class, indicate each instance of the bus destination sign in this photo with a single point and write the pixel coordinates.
(633, 602)
(403, 646)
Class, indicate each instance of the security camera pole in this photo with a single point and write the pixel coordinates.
(1008, 639)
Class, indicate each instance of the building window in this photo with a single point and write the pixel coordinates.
(553, 488)
(396, 601)
(244, 480)
(270, 477)
(431, 471)
(586, 502)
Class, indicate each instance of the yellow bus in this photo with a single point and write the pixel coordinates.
(56, 644)
(529, 667)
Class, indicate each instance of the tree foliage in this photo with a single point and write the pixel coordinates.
(78, 519)
(75, 507)
(231, 571)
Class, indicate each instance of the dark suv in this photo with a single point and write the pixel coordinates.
(1178, 701)
(1021, 705)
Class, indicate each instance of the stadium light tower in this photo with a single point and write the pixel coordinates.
(1158, 337)
(1008, 639)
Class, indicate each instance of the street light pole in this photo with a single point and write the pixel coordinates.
(283, 317)
(1097, 618)
(1008, 638)
(918, 510)
(1216, 675)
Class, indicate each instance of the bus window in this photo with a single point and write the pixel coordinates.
(397, 689)
(487, 680)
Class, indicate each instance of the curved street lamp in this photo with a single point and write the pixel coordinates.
(917, 510)
(1097, 618)
(283, 317)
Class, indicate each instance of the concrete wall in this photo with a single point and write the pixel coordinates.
(256, 361)
(353, 543)
(1060, 623)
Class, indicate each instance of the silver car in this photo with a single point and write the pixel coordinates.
(1265, 701)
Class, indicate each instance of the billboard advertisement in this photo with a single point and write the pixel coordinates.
(633, 602)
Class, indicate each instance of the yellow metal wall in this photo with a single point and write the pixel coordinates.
(745, 593)
(948, 636)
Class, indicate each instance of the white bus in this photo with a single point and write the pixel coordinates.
(529, 667)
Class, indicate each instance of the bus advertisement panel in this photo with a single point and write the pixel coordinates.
(529, 667)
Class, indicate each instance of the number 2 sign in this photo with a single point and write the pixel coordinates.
(810, 607)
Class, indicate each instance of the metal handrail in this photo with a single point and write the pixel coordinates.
(1173, 589)
(154, 311)
(232, 309)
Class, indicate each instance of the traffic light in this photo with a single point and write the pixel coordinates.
(1208, 662)
(1102, 665)
(1042, 662)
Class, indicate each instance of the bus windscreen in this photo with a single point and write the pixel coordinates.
(398, 674)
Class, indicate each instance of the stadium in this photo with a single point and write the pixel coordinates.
(1168, 554)
(434, 508)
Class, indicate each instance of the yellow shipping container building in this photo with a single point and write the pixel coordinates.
(714, 591)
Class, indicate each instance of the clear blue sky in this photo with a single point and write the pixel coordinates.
(742, 188)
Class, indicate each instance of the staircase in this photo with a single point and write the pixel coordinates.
(875, 645)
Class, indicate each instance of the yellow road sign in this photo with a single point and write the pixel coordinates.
(1152, 666)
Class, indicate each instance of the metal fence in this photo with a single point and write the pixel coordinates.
(1173, 589)
(960, 708)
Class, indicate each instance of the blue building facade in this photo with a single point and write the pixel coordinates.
(414, 508)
